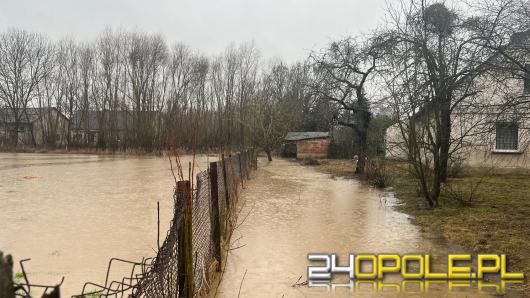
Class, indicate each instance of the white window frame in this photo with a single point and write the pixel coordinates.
(517, 150)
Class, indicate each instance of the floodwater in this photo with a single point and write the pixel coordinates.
(289, 210)
(71, 213)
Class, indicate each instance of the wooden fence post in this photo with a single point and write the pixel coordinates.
(6, 276)
(227, 194)
(233, 174)
(185, 277)
(247, 164)
(215, 219)
(240, 169)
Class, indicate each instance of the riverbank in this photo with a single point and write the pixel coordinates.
(484, 212)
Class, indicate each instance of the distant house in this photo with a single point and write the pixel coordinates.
(88, 126)
(36, 127)
(307, 144)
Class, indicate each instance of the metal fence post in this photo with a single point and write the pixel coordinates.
(215, 219)
(185, 247)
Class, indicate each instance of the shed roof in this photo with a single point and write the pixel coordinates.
(29, 115)
(306, 135)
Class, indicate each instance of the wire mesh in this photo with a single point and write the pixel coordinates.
(201, 227)
(158, 276)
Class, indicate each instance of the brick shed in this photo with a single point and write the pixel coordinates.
(307, 144)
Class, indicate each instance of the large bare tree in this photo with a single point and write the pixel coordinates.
(342, 74)
(25, 60)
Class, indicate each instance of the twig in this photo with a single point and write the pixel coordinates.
(172, 172)
(158, 225)
(245, 218)
(297, 280)
(240, 246)
(241, 285)
(298, 283)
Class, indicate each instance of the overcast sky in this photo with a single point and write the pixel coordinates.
(288, 29)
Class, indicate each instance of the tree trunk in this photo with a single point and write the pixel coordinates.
(14, 134)
(445, 137)
(362, 140)
(269, 156)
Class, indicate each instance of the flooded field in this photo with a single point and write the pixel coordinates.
(71, 213)
(294, 210)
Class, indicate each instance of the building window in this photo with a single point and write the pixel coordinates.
(527, 79)
(507, 136)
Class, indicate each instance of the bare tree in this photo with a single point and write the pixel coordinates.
(127, 89)
(438, 60)
(452, 49)
(341, 75)
(68, 67)
(24, 62)
(276, 107)
(144, 58)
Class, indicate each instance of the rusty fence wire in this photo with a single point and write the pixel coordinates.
(212, 205)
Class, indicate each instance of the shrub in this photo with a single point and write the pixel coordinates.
(465, 194)
(377, 173)
(455, 167)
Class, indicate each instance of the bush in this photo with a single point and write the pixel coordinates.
(464, 194)
(377, 173)
(455, 167)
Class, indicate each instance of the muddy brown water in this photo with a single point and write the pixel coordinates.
(71, 213)
(294, 210)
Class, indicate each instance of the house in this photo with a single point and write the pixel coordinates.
(36, 127)
(308, 144)
(89, 127)
(488, 133)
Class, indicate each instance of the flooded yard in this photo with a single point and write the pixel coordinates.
(294, 210)
(71, 213)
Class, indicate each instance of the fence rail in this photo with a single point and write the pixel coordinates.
(204, 216)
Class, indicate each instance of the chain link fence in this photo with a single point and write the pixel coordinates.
(180, 268)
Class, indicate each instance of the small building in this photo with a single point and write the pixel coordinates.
(307, 144)
(45, 126)
(89, 126)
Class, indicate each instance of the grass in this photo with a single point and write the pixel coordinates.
(494, 219)
(337, 167)
(18, 277)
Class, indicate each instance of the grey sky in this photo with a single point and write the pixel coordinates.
(280, 28)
